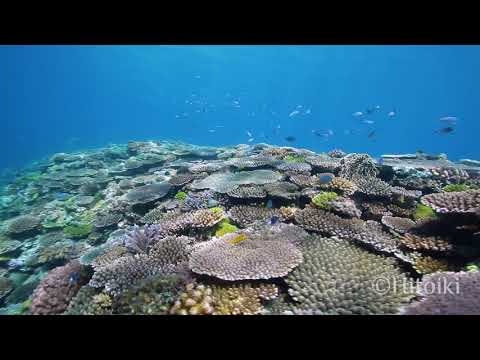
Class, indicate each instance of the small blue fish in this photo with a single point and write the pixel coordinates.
(269, 204)
(274, 219)
(325, 178)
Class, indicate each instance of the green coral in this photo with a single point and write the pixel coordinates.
(216, 210)
(322, 200)
(78, 231)
(456, 187)
(473, 266)
(423, 212)
(295, 158)
(181, 196)
(224, 227)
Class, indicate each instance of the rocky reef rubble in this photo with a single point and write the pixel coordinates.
(161, 227)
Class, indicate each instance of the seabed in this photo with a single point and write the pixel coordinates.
(166, 228)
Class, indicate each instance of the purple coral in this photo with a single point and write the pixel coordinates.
(55, 291)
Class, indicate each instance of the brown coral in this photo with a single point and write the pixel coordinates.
(456, 202)
(340, 185)
(399, 224)
(196, 300)
(431, 243)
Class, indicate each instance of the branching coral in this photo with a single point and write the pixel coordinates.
(247, 215)
(346, 207)
(429, 243)
(323, 163)
(338, 277)
(426, 264)
(248, 192)
(89, 301)
(180, 179)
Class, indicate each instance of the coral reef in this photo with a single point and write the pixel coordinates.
(456, 202)
(165, 227)
(337, 277)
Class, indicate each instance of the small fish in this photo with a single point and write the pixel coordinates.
(368, 122)
(371, 134)
(445, 130)
(307, 112)
(294, 113)
(299, 106)
(251, 139)
(249, 134)
(274, 219)
(197, 76)
(212, 131)
(377, 107)
(322, 133)
(291, 138)
(269, 204)
(357, 114)
(452, 120)
(391, 114)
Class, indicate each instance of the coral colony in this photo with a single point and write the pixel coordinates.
(166, 228)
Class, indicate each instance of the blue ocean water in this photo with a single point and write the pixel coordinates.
(68, 98)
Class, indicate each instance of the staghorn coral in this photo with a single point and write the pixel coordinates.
(456, 202)
(248, 192)
(196, 300)
(399, 224)
(252, 258)
(171, 250)
(447, 293)
(357, 165)
(341, 186)
(23, 225)
(139, 240)
(57, 289)
(338, 277)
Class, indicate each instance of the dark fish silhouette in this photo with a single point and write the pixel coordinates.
(445, 130)
(371, 135)
(274, 219)
(291, 138)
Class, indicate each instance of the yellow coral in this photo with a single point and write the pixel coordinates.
(196, 300)
(238, 239)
